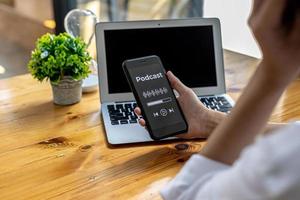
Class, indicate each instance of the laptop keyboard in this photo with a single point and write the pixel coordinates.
(122, 113)
(217, 103)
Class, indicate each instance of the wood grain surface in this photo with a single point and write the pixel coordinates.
(54, 152)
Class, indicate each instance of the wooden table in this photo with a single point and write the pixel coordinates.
(55, 152)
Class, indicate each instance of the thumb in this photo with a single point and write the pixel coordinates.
(176, 83)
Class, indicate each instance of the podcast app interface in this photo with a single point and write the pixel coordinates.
(155, 95)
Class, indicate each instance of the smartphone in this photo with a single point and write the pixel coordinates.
(154, 95)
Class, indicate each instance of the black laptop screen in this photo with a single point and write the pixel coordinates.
(187, 51)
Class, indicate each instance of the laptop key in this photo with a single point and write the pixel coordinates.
(113, 111)
(110, 107)
(133, 117)
(227, 106)
(124, 122)
(117, 114)
(127, 105)
(133, 121)
(119, 118)
(114, 123)
(221, 99)
(120, 106)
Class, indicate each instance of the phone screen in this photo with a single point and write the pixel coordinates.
(158, 102)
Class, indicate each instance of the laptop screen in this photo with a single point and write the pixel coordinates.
(187, 51)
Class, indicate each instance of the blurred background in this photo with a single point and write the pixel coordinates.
(23, 21)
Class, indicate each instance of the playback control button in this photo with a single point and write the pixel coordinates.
(155, 114)
(171, 110)
(163, 112)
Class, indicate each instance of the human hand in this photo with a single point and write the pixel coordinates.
(201, 121)
(280, 47)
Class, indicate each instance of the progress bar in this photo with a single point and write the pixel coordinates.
(157, 102)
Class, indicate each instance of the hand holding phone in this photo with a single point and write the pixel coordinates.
(155, 97)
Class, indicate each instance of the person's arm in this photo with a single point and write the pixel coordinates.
(238, 130)
(280, 65)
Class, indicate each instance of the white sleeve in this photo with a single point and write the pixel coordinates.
(269, 169)
(197, 168)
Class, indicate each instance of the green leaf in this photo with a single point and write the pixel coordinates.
(57, 56)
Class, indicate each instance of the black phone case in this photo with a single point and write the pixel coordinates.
(154, 137)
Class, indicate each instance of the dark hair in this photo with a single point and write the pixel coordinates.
(291, 11)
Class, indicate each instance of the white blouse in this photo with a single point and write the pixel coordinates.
(267, 169)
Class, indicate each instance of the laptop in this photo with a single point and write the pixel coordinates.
(190, 48)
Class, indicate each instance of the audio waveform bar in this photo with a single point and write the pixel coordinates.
(155, 92)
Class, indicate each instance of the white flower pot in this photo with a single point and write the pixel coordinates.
(68, 91)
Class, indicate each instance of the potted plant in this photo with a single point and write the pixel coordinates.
(64, 61)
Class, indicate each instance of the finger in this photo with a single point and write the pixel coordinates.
(176, 83)
(142, 122)
(138, 111)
